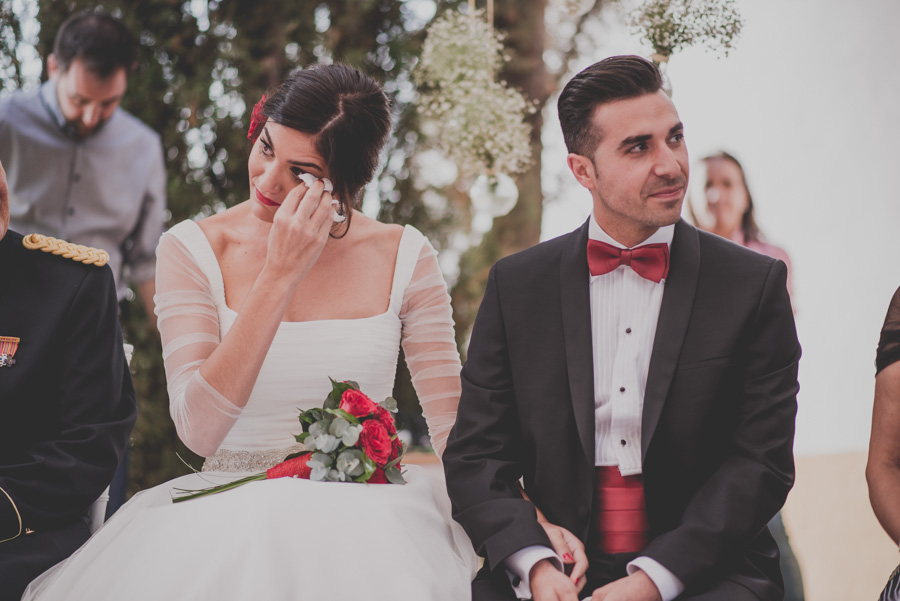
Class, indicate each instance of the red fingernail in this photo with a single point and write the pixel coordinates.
(567, 557)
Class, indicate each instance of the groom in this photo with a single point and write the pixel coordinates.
(639, 376)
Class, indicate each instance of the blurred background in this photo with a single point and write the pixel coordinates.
(806, 99)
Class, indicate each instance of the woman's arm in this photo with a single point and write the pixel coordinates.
(210, 379)
(883, 469)
(430, 346)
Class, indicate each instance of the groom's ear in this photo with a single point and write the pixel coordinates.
(583, 170)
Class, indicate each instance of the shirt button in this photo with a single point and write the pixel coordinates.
(76, 178)
(70, 211)
(622, 389)
(622, 442)
(516, 581)
(628, 330)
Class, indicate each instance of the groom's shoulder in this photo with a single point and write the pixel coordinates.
(536, 259)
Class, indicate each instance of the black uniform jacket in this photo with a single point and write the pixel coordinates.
(67, 406)
(718, 414)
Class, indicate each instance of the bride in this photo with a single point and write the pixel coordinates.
(258, 306)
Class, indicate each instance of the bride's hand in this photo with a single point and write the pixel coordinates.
(299, 231)
(570, 548)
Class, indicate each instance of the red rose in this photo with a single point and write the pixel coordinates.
(396, 449)
(257, 120)
(378, 477)
(385, 417)
(291, 468)
(356, 403)
(375, 441)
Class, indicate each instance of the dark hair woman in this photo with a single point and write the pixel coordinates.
(729, 206)
(883, 468)
(258, 306)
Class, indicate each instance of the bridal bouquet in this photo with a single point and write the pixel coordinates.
(350, 439)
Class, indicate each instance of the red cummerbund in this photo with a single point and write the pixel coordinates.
(620, 523)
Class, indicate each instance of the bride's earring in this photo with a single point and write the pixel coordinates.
(340, 216)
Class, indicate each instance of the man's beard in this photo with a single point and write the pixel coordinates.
(75, 129)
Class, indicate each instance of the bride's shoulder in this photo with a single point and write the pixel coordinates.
(375, 235)
(223, 228)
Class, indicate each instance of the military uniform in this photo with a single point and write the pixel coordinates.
(66, 401)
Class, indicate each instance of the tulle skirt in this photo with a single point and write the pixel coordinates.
(273, 540)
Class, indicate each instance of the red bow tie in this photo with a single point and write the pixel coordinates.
(650, 261)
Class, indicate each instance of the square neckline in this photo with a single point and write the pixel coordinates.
(206, 248)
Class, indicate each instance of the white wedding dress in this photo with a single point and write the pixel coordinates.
(285, 539)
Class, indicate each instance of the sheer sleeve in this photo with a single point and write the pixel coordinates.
(889, 345)
(189, 328)
(430, 347)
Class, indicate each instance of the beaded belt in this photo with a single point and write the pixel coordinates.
(226, 460)
(621, 520)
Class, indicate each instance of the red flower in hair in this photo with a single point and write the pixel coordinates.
(257, 120)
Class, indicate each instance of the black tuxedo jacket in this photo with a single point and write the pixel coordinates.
(718, 414)
(67, 406)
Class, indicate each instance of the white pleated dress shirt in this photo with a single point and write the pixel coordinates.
(624, 313)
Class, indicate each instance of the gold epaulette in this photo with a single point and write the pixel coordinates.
(76, 252)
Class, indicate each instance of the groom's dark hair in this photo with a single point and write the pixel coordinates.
(613, 78)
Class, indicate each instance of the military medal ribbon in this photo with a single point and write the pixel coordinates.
(8, 346)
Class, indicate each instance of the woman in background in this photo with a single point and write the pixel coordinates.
(730, 207)
(883, 469)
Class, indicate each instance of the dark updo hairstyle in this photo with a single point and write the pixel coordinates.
(99, 40)
(614, 78)
(349, 115)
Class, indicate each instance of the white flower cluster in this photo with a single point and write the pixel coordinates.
(670, 25)
(475, 119)
(326, 439)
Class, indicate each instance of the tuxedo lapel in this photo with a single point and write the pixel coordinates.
(576, 318)
(674, 314)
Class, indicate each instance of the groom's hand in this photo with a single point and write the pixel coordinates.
(549, 584)
(637, 587)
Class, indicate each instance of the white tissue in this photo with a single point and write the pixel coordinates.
(308, 179)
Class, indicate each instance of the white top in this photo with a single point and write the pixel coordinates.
(194, 316)
(624, 312)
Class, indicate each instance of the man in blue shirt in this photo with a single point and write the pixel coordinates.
(81, 168)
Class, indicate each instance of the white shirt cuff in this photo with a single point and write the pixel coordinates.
(519, 564)
(666, 582)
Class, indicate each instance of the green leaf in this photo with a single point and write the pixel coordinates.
(186, 495)
(394, 476)
(302, 437)
(341, 413)
(393, 462)
(369, 467)
(332, 401)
